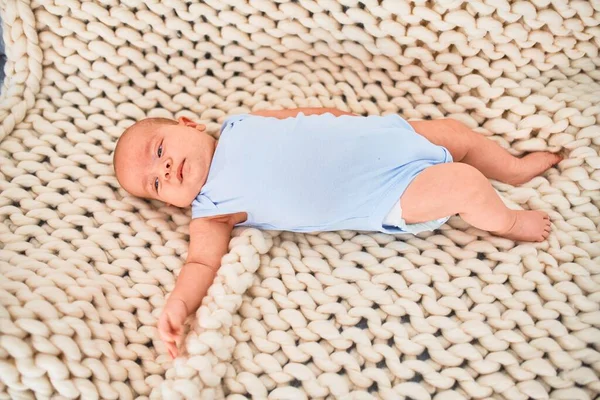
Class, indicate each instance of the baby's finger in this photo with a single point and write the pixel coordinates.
(163, 333)
(175, 330)
(172, 348)
(163, 323)
(166, 329)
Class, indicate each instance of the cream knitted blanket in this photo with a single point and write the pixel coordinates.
(453, 314)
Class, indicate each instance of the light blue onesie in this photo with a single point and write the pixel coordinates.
(314, 173)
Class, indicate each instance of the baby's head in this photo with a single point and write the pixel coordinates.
(163, 159)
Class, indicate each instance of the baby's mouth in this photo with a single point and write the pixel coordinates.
(180, 171)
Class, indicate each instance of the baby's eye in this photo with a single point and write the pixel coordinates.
(156, 184)
(160, 151)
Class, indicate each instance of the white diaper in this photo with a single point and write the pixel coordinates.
(394, 218)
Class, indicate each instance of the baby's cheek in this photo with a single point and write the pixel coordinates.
(181, 196)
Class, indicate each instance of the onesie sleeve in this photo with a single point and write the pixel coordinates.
(232, 119)
(202, 206)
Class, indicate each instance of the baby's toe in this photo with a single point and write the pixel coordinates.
(545, 235)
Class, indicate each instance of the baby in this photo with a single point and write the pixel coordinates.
(317, 169)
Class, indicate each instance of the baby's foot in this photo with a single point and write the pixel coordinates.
(529, 226)
(532, 165)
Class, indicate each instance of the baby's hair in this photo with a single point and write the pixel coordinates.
(150, 122)
(147, 123)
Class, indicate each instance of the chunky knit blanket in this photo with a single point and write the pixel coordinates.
(451, 314)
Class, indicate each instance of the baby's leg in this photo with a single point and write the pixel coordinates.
(474, 149)
(457, 188)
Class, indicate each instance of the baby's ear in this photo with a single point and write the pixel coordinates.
(188, 122)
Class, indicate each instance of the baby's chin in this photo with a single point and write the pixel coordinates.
(184, 204)
(186, 199)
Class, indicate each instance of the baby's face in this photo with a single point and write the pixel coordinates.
(169, 163)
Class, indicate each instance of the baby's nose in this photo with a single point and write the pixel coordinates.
(168, 165)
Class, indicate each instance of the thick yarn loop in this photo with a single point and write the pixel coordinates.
(452, 314)
(24, 66)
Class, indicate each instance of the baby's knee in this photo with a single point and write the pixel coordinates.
(469, 180)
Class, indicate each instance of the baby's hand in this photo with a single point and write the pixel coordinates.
(170, 324)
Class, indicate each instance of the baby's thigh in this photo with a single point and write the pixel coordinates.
(449, 133)
(440, 191)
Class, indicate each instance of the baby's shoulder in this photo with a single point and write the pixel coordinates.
(231, 219)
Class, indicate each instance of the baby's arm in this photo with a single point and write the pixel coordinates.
(292, 112)
(209, 239)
